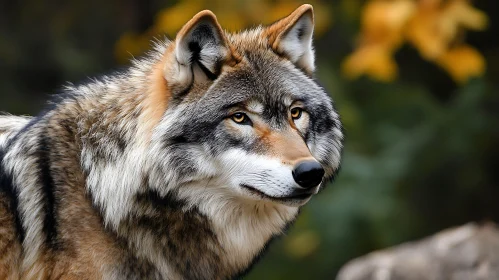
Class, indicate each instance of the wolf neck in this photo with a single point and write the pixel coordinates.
(243, 227)
(197, 234)
(246, 232)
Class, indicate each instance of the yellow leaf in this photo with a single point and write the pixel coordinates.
(429, 4)
(466, 15)
(462, 63)
(383, 22)
(374, 61)
(423, 32)
(431, 26)
(387, 16)
(436, 25)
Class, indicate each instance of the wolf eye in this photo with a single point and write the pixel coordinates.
(296, 113)
(240, 118)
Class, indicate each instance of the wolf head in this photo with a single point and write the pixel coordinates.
(241, 115)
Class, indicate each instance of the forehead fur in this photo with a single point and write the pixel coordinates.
(260, 69)
(249, 40)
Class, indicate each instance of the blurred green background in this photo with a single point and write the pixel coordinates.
(422, 132)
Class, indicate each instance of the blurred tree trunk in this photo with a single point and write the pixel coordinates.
(469, 252)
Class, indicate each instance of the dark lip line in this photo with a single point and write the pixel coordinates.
(262, 194)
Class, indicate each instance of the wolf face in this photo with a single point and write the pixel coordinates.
(258, 125)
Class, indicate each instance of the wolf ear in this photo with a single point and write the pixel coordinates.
(292, 37)
(200, 51)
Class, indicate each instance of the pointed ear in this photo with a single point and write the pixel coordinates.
(200, 50)
(292, 37)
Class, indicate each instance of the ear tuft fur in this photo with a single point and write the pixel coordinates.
(200, 51)
(292, 37)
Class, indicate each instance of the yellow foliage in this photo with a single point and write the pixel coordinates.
(383, 21)
(375, 61)
(424, 33)
(461, 12)
(433, 27)
(462, 62)
(232, 15)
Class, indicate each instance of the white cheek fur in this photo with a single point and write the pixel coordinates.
(263, 173)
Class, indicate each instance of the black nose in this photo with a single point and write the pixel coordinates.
(308, 174)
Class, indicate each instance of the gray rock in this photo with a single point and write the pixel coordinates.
(469, 252)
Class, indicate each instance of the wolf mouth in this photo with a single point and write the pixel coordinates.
(300, 196)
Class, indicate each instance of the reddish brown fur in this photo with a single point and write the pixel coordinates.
(158, 96)
(286, 145)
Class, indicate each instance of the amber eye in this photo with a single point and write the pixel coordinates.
(296, 113)
(240, 118)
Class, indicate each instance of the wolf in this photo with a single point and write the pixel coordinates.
(183, 166)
